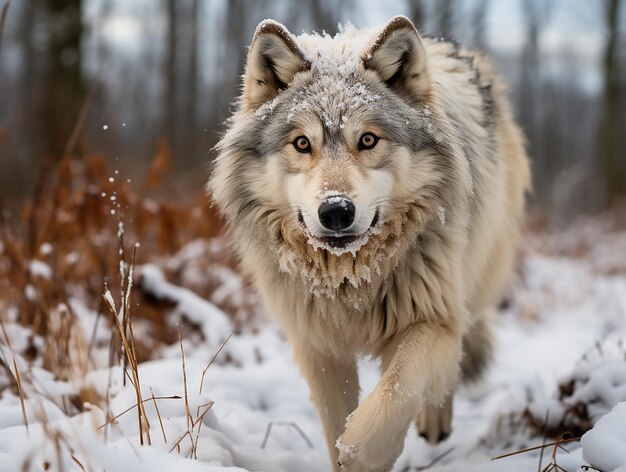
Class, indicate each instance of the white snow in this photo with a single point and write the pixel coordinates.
(340, 200)
(215, 324)
(351, 247)
(604, 447)
(39, 269)
(338, 54)
(566, 321)
(335, 60)
(46, 249)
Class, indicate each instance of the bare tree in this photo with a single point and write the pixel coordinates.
(238, 36)
(192, 77)
(169, 109)
(445, 18)
(536, 15)
(612, 123)
(417, 13)
(479, 23)
(63, 81)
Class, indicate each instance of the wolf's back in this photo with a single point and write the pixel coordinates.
(474, 98)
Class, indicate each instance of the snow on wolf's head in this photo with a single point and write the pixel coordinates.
(337, 155)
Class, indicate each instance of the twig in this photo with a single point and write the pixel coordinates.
(199, 422)
(122, 270)
(553, 465)
(80, 122)
(156, 407)
(285, 423)
(141, 413)
(545, 437)
(268, 430)
(187, 410)
(153, 398)
(435, 460)
(78, 462)
(16, 375)
(95, 329)
(534, 448)
(189, 432)
(177, 443)
(212, 360)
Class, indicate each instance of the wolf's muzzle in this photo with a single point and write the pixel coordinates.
(336, 213)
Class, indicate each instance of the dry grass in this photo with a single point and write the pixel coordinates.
(15, 373)
(124, 326)
(557, 445)
(70, 241)
(64, 244)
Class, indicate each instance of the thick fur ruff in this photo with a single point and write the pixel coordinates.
(341, 275)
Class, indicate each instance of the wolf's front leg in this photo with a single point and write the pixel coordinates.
(422, 367)
(334, 386)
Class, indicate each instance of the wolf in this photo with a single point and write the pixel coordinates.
(373, 184)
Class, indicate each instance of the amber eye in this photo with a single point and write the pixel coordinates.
(302, 144)
(368, 141)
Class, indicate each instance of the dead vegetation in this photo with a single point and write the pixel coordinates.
(584, 396)
(65, 243)
(81, 236)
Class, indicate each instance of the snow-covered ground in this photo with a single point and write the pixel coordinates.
(565, 324)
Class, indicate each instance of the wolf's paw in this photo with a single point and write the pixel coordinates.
(355, 459)
(435, 423)
(370, 443)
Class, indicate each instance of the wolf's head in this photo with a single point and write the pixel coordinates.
(338, 155)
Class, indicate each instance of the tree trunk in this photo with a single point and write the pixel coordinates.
(444, 17)
(63, 82)
(479, 23)
(416, 10)
(169, 110)
(614, 119)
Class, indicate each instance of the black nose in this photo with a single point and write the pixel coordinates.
(336, 213)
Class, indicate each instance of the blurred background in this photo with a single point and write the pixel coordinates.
(109, 110)
(130, 81)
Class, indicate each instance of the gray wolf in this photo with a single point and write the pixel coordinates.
(373, 183)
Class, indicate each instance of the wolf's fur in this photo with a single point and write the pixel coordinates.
(447, 181)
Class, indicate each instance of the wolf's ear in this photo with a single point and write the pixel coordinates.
(398, 57)
(273, 59)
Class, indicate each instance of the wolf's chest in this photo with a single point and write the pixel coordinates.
(364, 318)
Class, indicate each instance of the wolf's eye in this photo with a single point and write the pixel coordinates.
(302, 144)
(368, 141)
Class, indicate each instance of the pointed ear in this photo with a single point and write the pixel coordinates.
(273, 59)
(398, 57)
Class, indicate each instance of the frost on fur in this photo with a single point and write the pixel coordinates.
(273, 60)
(330, 271)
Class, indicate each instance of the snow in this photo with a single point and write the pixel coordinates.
(40, 269)
(109, 298)
(46, 249)
(335, 61)
(340, 200)
(250, 410)
(352, 247)
(604, 446)
(603, 388)
(338, 54)
(215, 324)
